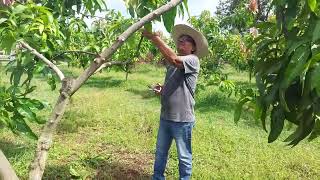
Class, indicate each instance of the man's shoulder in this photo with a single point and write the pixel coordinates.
(190, 56)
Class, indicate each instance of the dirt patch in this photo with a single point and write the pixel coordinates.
(125, 165)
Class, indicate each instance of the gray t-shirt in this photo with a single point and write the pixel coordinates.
(177, 103)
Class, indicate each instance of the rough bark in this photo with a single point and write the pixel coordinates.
(45, 140)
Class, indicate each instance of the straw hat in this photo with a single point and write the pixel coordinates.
(201, 42)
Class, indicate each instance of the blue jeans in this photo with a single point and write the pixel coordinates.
(181, 132)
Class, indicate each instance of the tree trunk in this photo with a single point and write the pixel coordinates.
(6, 171)
(44, 143)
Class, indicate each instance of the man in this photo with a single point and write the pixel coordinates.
(177, 101)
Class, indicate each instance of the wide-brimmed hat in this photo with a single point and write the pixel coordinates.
(201, 42)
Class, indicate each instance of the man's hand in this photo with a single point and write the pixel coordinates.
(157, 89)
(149, 35)
(165, 50)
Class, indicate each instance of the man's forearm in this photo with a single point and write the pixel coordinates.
(166, 51)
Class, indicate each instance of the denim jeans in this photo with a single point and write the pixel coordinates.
(181, 132)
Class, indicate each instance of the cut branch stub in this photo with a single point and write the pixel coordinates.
(67, 85)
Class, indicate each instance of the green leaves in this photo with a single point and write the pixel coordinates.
(293, 70)
(16, 109)
(238, 108)
(185, 5)
(277, 123)
(305, 127)
(7, 41)
(148, 27)
(296, 65)
(316, 34)
(287, 71)
(140, 8)
(312, 4)
(247, 95)
(35, 24)
(315, 79)
(3, 20)
(19, 9)
(168, 19)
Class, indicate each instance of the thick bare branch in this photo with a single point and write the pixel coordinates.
(46, 137)
(44, 59)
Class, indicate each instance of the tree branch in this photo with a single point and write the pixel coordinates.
(76, 51)
(46, 137)
(106, 54)
(44, 59)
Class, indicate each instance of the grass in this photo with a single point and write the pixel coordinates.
(109, 132)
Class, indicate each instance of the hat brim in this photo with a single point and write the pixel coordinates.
(201, 42)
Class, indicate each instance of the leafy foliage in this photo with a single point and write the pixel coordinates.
(235, 14)
(58, 31)
(140, 8)
(16, 109)
(225, 47)
(287, 67)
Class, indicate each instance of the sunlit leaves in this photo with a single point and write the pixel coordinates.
(140, 8)
(168, 19)
(27, 21)
(312, 4)
(67, 8)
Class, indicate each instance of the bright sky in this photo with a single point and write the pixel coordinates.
(195, 8)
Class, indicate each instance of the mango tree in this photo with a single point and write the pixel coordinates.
(39, 33)
(287, 70)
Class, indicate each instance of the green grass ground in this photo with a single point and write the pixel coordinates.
(109, 132)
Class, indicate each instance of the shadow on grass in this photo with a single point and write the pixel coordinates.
(13, 150)
(57, 172)
(73, 120)
(108, 169)
(215, 101)
(103, 82)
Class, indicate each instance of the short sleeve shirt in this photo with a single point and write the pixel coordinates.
(177, 103)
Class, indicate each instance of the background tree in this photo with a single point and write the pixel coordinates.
(225, 48)
(234, 14)
(287, 70)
